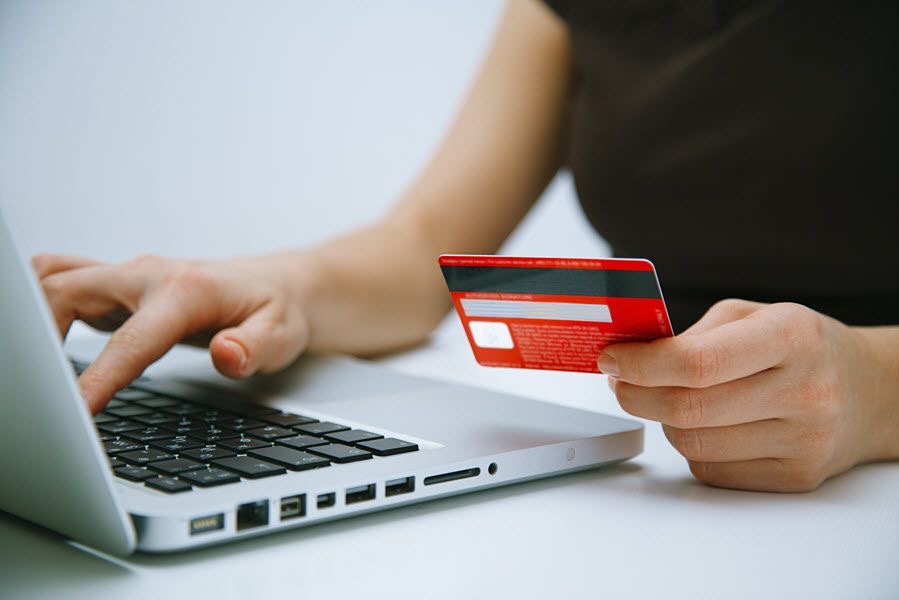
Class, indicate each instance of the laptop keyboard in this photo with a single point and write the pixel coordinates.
(175, 444)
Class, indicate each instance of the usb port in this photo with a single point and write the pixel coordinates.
(404, 485)
(360, 493)
(326, 500)
(204, 524)
(293, 507)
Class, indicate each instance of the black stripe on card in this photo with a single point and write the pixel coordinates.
(561, 282)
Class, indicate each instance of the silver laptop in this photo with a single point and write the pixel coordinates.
(171, 465)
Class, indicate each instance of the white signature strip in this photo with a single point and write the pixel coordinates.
(525, 309)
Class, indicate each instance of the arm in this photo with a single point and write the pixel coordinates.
(371, 291)
(499, 155)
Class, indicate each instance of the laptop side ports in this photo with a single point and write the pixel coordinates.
(293, 507)
(208, 523)
(325, 500)
(252, 514)
(403, 485)
(360, 493)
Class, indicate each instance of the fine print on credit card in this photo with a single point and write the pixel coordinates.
(553, 313)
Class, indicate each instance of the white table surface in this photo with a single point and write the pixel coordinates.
(643, 529)
(208, 128)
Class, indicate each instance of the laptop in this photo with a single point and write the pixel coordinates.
(171, 465)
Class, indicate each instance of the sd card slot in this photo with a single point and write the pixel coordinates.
(453, 476)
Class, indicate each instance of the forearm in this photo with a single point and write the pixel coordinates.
(374, 290)
(380, 289)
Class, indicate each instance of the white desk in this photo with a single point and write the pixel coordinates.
(217, 128)
(643, 529)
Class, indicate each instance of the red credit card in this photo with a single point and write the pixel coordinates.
(553, 313)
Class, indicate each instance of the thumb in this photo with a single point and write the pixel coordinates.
(266, 341)
(722, 312)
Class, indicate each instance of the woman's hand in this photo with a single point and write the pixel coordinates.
(241, 308)
(766, 397)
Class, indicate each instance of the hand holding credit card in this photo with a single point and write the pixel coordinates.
(553, 313)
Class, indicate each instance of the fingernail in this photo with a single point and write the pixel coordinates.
(94, 403)
(238, 349)
(608, 365)
(612, 381)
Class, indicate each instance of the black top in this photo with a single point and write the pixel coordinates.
(747, 148)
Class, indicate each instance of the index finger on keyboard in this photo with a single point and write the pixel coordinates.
(160, 323)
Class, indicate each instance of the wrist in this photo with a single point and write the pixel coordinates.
(882, 388)
(297, 273)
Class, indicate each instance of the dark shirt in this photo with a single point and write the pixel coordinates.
(748, 148)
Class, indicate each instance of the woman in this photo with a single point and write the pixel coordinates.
(726, 141)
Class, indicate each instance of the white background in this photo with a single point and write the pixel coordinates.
(208, 128)
(211, 128)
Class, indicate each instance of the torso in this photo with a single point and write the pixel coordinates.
(747, 148)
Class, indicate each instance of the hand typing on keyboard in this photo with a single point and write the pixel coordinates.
(257, 315)
(241, 309)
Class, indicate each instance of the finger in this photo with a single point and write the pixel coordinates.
(723, 312)
(763, 475)
(732, 351)
(762, 396)
(48, 264)
(749, 441)
(89, 293)
(268, 340)
(144, 338)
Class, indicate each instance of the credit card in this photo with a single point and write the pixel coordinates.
(553, 313)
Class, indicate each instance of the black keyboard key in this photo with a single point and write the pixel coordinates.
(156, 418)
(288, 420)
(142, 457)
(301, 442)
(242, 444)
(168, 485)
(207, 453)
(120, 426)
(126, 412)
(388, 446)
(352, 436)
(147, 434)
(134, 473)
(239, 423)
(119, 446)
(184, 408)
(177, 443)
(105, 418)
(212, 434)
(340, 453)
(116, 404)
(294, 460)
(209, 477)
(131, 394)
(251, 410)
(321, 428)
(157, 401)
(270, 432)
(115, 462)
(183, 425)
(249, 467)
(176, 466)
(211, 415)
